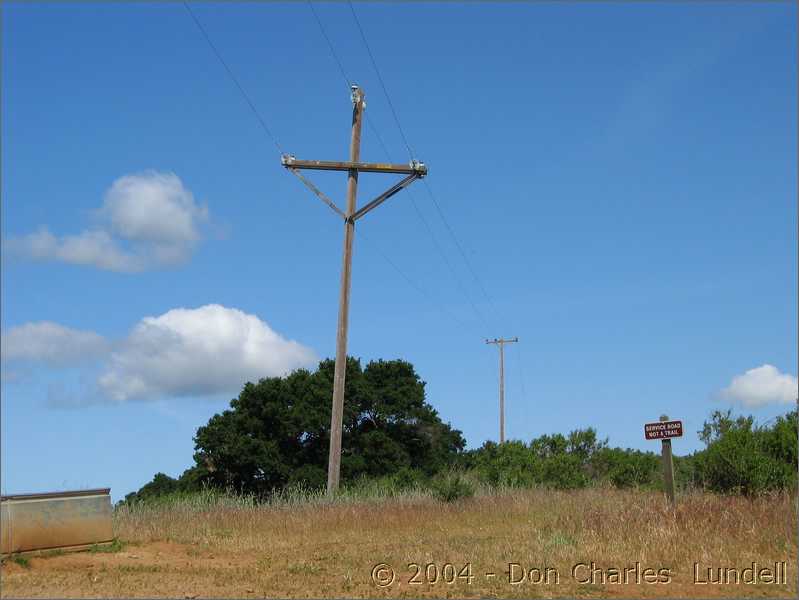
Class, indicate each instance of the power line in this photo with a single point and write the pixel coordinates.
(458, 244)
(415, 286)
(258, 116)
(419, 213)
(269, 133)
(373, 127)
(436, 243)
(521, 371)
(382, 83)
(407, 145)
(330, 45)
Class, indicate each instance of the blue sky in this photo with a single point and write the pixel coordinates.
(620, 177)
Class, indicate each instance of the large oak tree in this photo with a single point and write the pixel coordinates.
(277, 431)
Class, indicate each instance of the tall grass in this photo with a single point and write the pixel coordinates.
(302, 543)
(206, 514)
(596, 516)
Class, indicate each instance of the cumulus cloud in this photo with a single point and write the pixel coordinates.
(761, 385)
(51, 343)
(90, 248)
(198, 352)
(147, 220)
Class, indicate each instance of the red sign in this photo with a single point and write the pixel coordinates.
(663, 429)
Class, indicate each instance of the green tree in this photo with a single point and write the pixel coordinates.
(161, 485)
(277, 431)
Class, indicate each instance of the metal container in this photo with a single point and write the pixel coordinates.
(55, 520)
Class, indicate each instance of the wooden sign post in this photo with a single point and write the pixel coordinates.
(664, 430)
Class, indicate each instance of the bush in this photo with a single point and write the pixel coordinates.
(451, 487)
(406, 479)
(626, 468)
(511, 464)
(564, 471)
(309, 477)
(744, 458)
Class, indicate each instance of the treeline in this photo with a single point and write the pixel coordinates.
(276, 434)
(740, 457)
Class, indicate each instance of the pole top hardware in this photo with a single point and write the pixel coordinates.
(357, 95)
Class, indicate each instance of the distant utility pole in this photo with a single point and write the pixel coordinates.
(501, 343)
(414, 170)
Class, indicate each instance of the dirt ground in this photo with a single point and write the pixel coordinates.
(368, 551)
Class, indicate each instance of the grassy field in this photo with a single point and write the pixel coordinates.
(522, 543)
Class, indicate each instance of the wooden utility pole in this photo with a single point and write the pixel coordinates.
(668, 463)
(414, 170)
(501, 343)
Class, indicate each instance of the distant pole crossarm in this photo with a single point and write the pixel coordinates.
(416, 167)
(414, 170)
(501, 343)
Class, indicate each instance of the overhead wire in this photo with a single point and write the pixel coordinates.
(268, 131)
(437, 206)
(417, 287)
(411, 195)
(433, 236)
(379, 138)
(233, 77)
(329, 44)
(380, 78)
(458, 245)
(424, 182)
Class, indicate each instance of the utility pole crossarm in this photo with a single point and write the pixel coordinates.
(501, 341)
(420, 169)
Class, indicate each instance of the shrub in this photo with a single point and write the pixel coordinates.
(511, 464)
(451, 487)
(563, 471)
(625, 468)
(309, 477)
(406, 479)
(744, 458)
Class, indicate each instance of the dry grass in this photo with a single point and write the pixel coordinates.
(306, 546)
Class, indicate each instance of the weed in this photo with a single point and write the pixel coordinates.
(303, 569)
(139, 568)
(115, 546)
(452, 487)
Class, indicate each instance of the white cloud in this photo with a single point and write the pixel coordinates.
(198, 352)
(51, 343)
(761, 385)
(91, 248)
(184, 352)
(148, 220)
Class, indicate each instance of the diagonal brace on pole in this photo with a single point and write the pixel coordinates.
(318, 192)
(384, 196)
